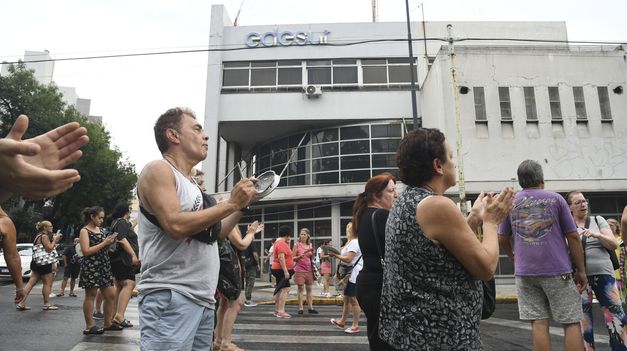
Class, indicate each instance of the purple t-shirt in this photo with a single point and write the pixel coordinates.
(539, 221)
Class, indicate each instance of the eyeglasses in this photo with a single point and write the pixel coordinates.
(580, 202)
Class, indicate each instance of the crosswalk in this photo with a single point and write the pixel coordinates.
(256, 329)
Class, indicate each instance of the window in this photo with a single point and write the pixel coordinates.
(506, 106)
(580, 103)
(290, 73)
(345, 71)
(554, 102)
(530, 103)
(375, 71)
(604, 101)
(479, 96)
(235, 74)
(399, 71)
(319, 72)
(263, 73)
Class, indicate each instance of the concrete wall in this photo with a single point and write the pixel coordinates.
(590, 156)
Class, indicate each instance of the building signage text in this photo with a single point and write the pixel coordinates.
(286, 38)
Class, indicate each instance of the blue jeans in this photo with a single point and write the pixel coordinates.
(604, 287)
(171, 321)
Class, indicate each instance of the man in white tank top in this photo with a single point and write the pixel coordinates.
(179, 274)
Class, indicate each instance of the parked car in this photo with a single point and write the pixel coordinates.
(26, 255)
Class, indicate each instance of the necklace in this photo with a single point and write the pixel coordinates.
(189, 177)
(425, 186)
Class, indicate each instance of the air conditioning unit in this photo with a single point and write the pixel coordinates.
(313, 90)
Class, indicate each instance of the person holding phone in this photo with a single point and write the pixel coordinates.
(302, 253)
(96, 270)
(41, 272)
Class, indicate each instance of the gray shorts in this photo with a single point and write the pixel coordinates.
(545, 297)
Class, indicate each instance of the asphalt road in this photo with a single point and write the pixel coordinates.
(256, 329)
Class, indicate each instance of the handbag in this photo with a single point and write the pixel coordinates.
(373, 222)
(229, 278)
(41, 257)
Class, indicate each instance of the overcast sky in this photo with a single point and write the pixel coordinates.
(130, 93)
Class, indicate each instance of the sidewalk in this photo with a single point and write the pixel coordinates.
(262, 294)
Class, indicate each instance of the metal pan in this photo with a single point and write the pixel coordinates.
(266, 183)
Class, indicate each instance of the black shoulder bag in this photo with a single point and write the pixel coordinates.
(207, 236)
(373, 223)
(612, 253)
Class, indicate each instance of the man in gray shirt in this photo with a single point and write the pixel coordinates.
(179, 273)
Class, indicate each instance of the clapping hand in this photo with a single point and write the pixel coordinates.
(33, 167)
(256, 227)
(497, 207)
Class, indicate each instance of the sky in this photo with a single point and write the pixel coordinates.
(130, 93)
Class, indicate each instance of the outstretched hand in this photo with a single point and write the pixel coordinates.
(33, 167)
(497, 207)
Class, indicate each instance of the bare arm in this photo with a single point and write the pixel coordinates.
(348, 258)
(49, 245)
(576, 255)
(11, 256)
(623, 225)
(92, 250)
(505, 243)
(235, 237)
(439, 218)
(281, 258)
(157, 189)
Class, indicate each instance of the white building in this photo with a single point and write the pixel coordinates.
(343, 89)
(44, 74)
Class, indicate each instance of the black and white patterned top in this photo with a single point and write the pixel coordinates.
(96, 269)
(429, 300)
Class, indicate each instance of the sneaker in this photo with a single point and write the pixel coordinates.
(282, 315)
(312, 311)
(249, 303)
(98, 315)
(52, 295)
(300, 311)
(352, 330)
(337, 324)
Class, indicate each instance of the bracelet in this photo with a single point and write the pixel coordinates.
(16, 290)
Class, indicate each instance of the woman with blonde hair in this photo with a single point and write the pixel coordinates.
(44, 272)
(303, 276)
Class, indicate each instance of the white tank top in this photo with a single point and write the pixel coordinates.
(187, 266)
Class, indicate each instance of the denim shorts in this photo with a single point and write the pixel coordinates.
(171, 321)
(549, 297)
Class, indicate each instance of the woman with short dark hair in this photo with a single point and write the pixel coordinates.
(282, 270)
(431, 297)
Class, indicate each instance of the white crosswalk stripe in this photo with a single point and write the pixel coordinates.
(256, 328)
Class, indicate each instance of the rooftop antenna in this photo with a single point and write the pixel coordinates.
(375, 11)
(239, 11)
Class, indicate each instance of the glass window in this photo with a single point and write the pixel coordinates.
(356, 132)
(604, 101)
(325, 164)
(322, 228)
(355, 176)
(580, 103)
(339, 62)
(263, 64)
(290, 63)
(506, 107)
(263, 77)
(384, 160)
(325, 178)
(354, 162)
(479, 96)
(298, 180)
(279, 157)
(375, 75)
(315, 63)
(401, 74)
(322, 210)
(319, 75)
(400, 60)
(235, 77)
(346, 208)
(236, 64)
(366, 62)
(298, 167)
(345, 75)
(554, 102)
(355, 147)
(325, 135)
(530, 103)
(290, 76)
(278, 213)
(385, 130)
(321, 150)
(306, 211)
(383, 145)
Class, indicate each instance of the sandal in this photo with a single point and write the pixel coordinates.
(72, 295)
(49, 308)
(115, 326)
(126, 323)
(22, 307)
(337, 324)
(95, 330)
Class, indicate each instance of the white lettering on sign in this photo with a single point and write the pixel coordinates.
(276, 38)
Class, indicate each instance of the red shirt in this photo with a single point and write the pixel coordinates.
(280, 246)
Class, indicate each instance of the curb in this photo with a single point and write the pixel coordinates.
(339, 301)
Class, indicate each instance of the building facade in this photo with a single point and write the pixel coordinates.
(325, 106)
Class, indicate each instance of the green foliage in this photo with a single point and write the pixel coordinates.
(106, 176)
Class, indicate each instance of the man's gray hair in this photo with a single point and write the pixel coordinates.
(530, 174)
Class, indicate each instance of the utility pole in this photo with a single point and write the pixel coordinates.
(375, 11)
(414, 104)
(458, 127)
(424, 33)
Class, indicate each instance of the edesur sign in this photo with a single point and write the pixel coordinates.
(276, 38)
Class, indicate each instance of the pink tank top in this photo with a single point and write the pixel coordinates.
(304, 263)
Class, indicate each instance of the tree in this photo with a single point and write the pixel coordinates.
(107, 178)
